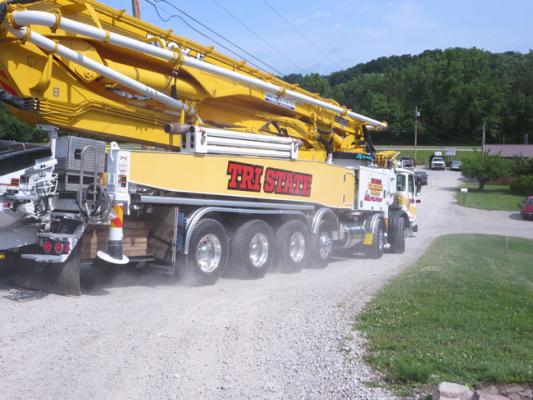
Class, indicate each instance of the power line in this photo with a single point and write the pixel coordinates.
(257, 35)
(301, 34)
(222, 37)
(207, 36)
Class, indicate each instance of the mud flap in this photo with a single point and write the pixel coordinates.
(59, 278)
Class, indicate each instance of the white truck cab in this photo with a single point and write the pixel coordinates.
(438, 163)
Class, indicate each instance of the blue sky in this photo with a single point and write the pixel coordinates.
(348, 32)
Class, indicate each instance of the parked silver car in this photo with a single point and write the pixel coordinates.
(456, 165)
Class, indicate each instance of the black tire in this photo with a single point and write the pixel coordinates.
(321, 246)
(292, 246)
(397, 235)
(375, 250)
(249, 257)
(209, 240)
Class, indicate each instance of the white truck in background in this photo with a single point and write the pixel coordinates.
(436, 161)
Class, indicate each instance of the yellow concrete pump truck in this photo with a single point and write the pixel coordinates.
(233, 167)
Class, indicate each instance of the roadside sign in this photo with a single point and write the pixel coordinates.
(464, 191)
(450, 151)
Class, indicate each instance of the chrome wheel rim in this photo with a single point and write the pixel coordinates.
(208, 253)
(325, 245)
(258, 252)
(297, 247)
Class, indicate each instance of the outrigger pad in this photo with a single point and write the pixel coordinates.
(58, 278)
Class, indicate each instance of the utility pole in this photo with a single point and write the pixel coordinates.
(136, 9)
(417, 114)
(483, 137)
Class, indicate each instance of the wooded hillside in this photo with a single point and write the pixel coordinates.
(454, 89)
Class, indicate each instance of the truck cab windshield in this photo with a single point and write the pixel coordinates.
(400, 183)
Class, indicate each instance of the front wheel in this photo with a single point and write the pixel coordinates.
(397, 236)
(322, 246)
(292, 244)
(208, 253)
(376, 248)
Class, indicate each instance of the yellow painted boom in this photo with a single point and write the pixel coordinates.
(51, 88)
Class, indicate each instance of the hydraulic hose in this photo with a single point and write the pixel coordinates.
(368, 139)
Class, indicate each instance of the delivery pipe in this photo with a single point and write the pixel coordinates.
(51, 46)
(24, 18)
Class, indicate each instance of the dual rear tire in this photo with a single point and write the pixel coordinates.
(208, 253)
(252, 249)
(293, 245)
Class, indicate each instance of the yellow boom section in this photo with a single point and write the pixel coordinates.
(48, 86)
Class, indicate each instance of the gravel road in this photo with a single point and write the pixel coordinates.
(281, 337)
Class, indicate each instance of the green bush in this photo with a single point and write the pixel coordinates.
(520, 166)
(523, 185)
(485, 168)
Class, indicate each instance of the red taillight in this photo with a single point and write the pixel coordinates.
(6, 204)
(58, 247)
(66, 248)
(47, 246)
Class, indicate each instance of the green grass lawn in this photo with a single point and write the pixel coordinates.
(463, 313)
(494, 197)
(422, 156)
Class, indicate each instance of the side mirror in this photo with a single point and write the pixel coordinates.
(418, 185)
(418, 201)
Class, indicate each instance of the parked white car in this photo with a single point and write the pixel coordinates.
(438, 163)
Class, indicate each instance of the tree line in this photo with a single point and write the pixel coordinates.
(455, 90)
(11, 128)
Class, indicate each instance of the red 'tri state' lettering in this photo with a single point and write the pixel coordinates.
(246, 177)
(287, 182)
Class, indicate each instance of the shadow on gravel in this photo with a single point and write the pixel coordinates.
(95, 282)
(518, 217)
(24, 295)
(449, 189)
(14, 293)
